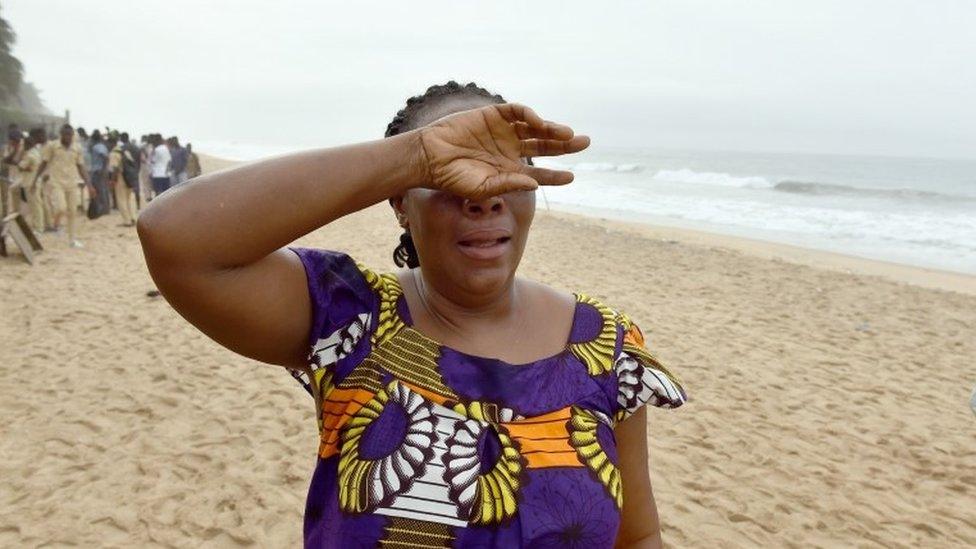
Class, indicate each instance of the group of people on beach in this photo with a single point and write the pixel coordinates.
(50, 179)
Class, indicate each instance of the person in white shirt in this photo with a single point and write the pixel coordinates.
(159, 165)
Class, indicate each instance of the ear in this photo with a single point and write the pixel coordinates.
(396, 202)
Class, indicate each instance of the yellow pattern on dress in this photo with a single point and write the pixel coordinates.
(583, 436)
(354, 471)
(368, 375)
(597, 354)
(412, 357)
(495, 500)
(388, 288)
(485, 412)
(625, 321)
(322, 386)
(406, 532)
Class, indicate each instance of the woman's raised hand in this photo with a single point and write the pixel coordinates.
(479, 153)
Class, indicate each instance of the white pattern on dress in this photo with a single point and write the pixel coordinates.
(329, 350)
(639, 384)
(427, 497)
(340, 343)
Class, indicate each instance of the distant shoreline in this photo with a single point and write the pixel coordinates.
(834, 261)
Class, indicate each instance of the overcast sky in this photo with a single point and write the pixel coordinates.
(878, 77)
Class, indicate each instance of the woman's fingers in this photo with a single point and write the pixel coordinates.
(551, 130)
(523, 131)
(541, 137)
(553, 147)
(516, 112)
(537, 137)
(549, 177)
(510, 181)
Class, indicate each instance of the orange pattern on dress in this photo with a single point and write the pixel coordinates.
(544, 440)
(429, 395)
(339, 406)
(634, 337)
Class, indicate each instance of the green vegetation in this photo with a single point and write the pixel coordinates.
(11, 69)
(20, 101)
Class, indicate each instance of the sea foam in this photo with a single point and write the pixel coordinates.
(712, 178)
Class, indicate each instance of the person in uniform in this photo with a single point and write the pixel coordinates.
(63, 161)
(30, 161)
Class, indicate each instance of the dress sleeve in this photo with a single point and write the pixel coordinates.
(641, 378)
(343, 306)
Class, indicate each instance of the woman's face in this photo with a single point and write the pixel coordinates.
(467, 248)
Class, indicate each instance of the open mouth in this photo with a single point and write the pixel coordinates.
(485, 245)
(484, 242)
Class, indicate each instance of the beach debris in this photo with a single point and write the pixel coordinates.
(23, 236)
(863, 327)
(972, 401)
(153, 293)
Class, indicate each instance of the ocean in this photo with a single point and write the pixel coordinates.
(915, 211)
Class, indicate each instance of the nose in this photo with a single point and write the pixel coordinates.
(480, 208)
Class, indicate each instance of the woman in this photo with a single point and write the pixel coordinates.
(459, 405)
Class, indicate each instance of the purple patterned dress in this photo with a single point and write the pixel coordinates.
(425, 446)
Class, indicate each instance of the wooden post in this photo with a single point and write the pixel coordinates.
(17, 229)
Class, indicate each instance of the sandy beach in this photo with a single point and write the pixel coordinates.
(829, 395)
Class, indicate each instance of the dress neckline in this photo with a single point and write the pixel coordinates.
(408, 325)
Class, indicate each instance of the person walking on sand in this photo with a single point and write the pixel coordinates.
(177, 161)
(98, 173)
(64, 162)
(84, 143)
(192, 162)
(458, 404)
(12, 190)
(159, 165)
(124, 197)
(40, 213)
(145, 179)
(131, 167)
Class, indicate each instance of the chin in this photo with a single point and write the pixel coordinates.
(467, 269)
(481, 276)
(485, 279)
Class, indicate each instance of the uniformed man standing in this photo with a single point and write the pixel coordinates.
(64, 161)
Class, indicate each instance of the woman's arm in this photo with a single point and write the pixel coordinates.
(639, 525)
(213, 245)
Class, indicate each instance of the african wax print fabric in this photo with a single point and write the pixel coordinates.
(422, 445)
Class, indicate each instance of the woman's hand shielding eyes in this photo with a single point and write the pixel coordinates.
(478, 153)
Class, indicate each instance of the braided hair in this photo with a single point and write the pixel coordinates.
(405, 254)
(405, 117)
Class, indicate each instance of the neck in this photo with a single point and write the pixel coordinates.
(456, 312)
